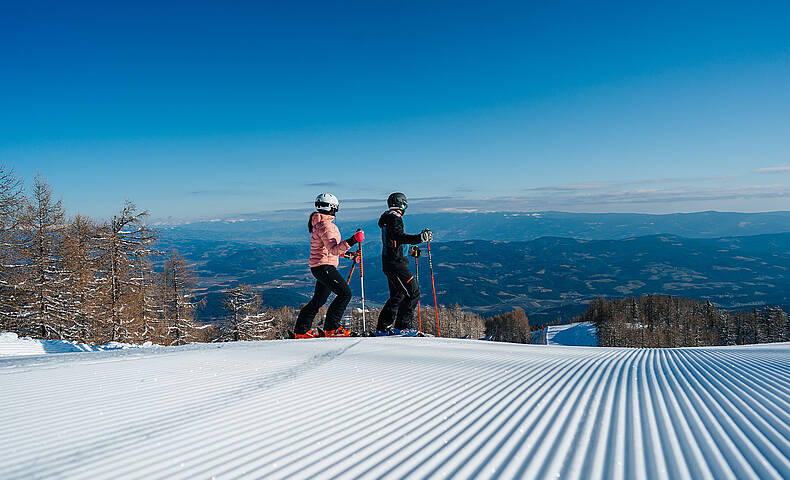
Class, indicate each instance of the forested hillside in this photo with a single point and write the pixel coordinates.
(661, 321)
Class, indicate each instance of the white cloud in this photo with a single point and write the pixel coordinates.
(592, 186)
(571, 188)
(780, 169)
(621, 199)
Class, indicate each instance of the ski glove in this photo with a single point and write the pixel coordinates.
(356, 238)
(352, 255)
(426, 235)
(415, 251)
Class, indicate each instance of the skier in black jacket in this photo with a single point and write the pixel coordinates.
(404, 290)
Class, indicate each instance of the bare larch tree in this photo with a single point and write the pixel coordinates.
(244, 319)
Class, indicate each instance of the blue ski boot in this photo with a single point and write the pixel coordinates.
(385, 333)
(406, 332)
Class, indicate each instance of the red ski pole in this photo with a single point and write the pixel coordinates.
(433, 285)
(354, 266)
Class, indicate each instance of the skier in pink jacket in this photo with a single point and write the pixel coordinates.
(325, 250)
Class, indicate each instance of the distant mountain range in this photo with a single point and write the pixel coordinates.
(500, 226)
(548, 277)
(556, 276)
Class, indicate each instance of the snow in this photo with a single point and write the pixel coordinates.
(397, 408)
(12, 345)
(581, 334)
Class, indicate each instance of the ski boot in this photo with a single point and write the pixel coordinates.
(338, 332)
(406, 332)
(308, 334)
(383, 333)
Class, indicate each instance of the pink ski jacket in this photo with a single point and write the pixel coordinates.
(325, 244)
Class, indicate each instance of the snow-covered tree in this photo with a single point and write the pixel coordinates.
(82, 255)
(244, 319)
(43, 228)
(283, 320)
(149, 305)
(178, 283)
(12, 268)
(124, 240)
(776, 324)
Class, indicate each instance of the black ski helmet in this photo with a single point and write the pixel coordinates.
(397, 200)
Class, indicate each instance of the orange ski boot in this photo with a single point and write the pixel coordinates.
(338, 332)
(308, 334)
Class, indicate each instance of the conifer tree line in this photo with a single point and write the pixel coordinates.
(78, 279)
(510, 327)
(663, 321)
(95, 282)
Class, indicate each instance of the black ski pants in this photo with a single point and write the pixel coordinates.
(404, 293)
(328, 279)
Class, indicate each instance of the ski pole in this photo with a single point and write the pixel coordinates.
(353, 267)
(433, 285)
(362, 285)
(417, 279)
(415, 252)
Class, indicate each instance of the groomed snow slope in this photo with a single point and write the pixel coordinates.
(396, 408)
(580, 334)
(12, 345)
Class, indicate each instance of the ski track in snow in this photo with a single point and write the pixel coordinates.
(397, 408)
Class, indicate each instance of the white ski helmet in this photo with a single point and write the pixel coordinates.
(326, 202)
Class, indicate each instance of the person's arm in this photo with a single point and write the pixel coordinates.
(395, 227)
(330, 235)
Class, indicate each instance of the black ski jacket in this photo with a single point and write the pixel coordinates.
(393, 240)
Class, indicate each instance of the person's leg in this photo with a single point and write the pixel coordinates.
(390, 309)
(307, 314)
(409, 303)
(335, 282)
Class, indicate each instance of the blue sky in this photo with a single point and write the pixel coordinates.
(203, 109)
